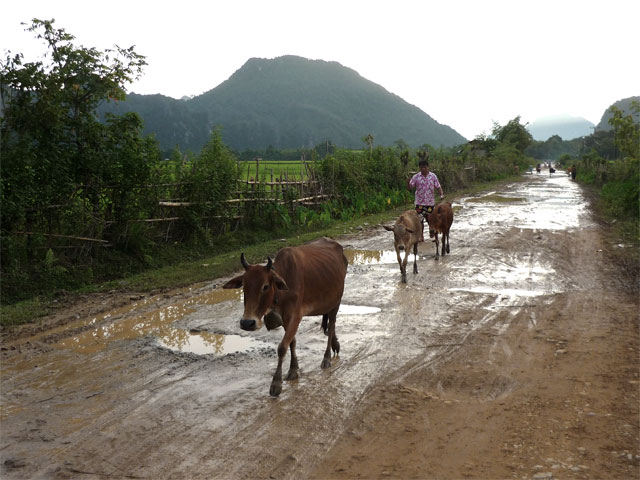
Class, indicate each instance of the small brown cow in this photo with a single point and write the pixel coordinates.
(440, 221)
(406, 234)
(301, 281)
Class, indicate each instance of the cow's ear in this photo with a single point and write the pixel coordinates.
(410, 230)
(279, 282)
(388, 228)
(234, 282)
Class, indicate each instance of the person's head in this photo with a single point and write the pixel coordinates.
(424, 167)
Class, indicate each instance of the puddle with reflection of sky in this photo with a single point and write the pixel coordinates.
(205, 343)
(370, 257)
(157, 322)
(553, 203)
(357, 310)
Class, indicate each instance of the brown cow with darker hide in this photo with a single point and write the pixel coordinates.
(406, 234)
(301, 281)
(440, 221)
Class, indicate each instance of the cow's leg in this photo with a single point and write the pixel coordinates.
(404, 266)
(326, 361)
(415, 258)
(402, 270)
(293, 365)
(447, 241)
(289, 335)
(437, 246)
(443, 243)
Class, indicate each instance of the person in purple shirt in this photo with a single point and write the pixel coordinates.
(425, 183)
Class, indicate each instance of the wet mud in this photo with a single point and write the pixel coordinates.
(440, 377)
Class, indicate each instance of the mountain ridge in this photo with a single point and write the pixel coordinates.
(288, 102)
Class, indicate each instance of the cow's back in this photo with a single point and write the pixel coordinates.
(315, 272)
(410, 219)
(445, 211)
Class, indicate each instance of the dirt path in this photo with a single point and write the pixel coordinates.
(514, 357)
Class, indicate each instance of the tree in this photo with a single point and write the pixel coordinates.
(368, 139)
(57, 158)
(513, 133)
(626, 131)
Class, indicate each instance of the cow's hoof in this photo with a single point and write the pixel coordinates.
(447, 248)
(404, 279)
(292, 375)
(276, 389)
(326, 363)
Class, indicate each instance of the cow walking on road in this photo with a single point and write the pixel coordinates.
(407, 232)
(440, 221)
(301, 281)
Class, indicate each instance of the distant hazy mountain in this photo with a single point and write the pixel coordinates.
(625, 106)
(565, 126)
(288, 102)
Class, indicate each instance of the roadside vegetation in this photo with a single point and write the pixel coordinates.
(82, 199)
(615, 182)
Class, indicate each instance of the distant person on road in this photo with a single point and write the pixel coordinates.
(424, 182)
(573, 171)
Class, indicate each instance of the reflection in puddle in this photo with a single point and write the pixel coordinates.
(357, 310)
(157, 322)
(492, 197)
(507, 292)
(553, 203)
(205, 343)
(370, 257)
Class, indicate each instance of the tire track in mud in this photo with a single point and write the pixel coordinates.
(170, 414)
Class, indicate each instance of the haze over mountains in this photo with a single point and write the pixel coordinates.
(288, 102)
(565, 126)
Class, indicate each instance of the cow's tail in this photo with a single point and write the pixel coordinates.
(325, 323)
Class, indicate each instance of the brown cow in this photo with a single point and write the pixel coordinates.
(301, 281)
(406, 235)
(440, 221)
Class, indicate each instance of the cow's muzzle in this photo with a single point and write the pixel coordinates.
(248, 324)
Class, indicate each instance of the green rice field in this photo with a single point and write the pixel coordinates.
(267, 169)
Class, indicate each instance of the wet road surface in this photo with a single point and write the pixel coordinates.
(176, 389)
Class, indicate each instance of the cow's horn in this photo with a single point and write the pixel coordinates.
(269, 264)
(244, 261)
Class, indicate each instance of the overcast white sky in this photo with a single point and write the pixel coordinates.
(465, 63)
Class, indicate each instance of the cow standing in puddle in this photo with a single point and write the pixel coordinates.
(301, 281)
(406, 234)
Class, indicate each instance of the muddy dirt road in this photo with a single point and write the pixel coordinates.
(514, 357)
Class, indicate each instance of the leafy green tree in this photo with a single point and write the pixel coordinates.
(63, 171)
(513, 133)
(626, 131)
(52, 141)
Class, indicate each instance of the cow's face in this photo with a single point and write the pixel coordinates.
(401, 236)
(259, 284)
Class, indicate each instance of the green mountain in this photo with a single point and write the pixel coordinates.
(288, 102)
(625, 106)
